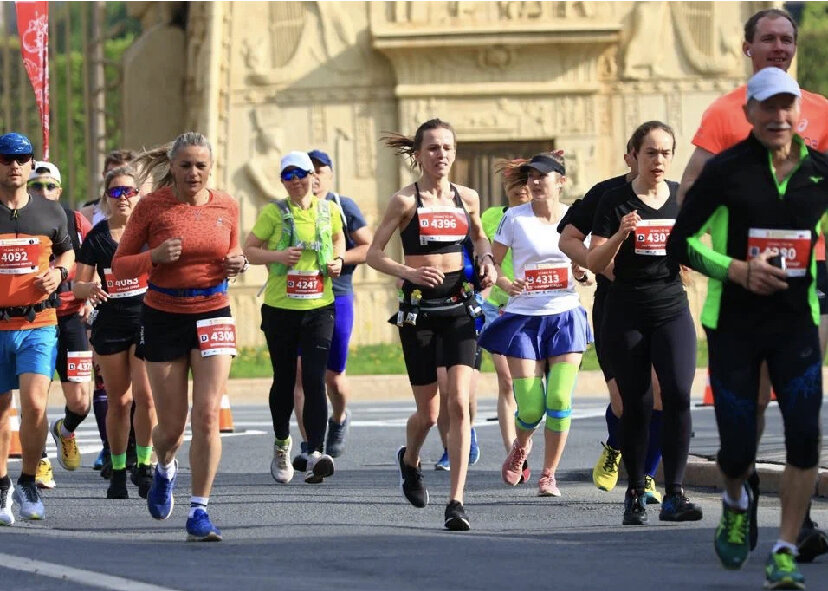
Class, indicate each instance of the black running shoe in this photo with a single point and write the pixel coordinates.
(142, 478)
(752, 488)
(117, 485)
(635, 509)
(106, 469)
(300, 460)
(411, 482)
(455, 517)
(811, 542)
(677, 507)
(132, 453)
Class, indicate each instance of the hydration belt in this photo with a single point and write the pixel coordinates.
(29, 312)
(446, 306)
(190, 293)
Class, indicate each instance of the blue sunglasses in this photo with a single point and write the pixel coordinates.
(294, 173)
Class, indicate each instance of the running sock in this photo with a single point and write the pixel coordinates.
(613, 428)
(654, 450)
(144, 454)
(99, 406)
(783, 545)
(119, 461)
(26, 479)
(167, 472)
(560, 383)
(198, 503)
(741, 503)
(283, 442)
(71, 421)
(531, 401)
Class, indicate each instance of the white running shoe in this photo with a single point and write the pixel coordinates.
(320, 466)
(28, 498)
(280, 468)
(6, 516)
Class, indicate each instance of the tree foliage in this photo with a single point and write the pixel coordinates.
(812, 48)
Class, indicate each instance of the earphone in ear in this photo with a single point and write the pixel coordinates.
(747, 53)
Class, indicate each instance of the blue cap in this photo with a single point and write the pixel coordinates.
(321, 157)
(15, 143)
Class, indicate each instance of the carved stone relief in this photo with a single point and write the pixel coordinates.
(262, 166)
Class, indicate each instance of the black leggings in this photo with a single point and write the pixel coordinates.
(633, 345)
(795, 370)
(286, 331)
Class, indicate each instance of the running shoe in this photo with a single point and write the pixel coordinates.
(512, 468)
(525, 472)
(102, 458)
(781, 571)
(280, 467)
(605, 472)
(142, 478)
(752, 488)
(160, 500)
(131, 453)
(117, 485)
(44, 476)
(455, 517)
(28, 498)
(106, 469)
(635, 509)
(300, 460)
(411, 481)
(6, 515)
(201, 529)
(68, 453)
(474, 448)
(337, 432)
(731, 542)
(547, 486)
(811, 542)
(443, 464)
(320, 467)
(677, 507)
(651, 494)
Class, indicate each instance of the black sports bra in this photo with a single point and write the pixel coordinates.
(436, 230)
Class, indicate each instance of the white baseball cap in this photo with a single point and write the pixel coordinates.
(42, 168)
(769, 82)
(297, 160)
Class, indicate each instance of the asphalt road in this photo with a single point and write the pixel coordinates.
(356, 531)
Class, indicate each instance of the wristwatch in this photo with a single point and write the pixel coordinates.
(64, 273)
(246, 265)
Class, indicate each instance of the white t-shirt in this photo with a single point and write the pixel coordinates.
(537, 258)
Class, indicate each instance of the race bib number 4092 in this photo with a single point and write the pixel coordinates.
(19, 256)
(216, 336)
(794, 245)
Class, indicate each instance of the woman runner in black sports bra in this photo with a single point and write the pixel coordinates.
(436, 304)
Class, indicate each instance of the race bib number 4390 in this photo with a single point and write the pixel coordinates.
(216, 336)
(651, 237)
(545, 278)
(794, 245)
(19, 256)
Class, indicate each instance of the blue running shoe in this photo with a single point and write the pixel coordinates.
(102, 458)
(201, 529)
(443, 463)
(160, 501)
(474, 448)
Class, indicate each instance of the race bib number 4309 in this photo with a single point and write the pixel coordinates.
(651, 237)
(544, 278)
(19, 256)
(794, 245)
(216, 336)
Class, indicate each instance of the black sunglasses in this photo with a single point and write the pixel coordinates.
(21, 159)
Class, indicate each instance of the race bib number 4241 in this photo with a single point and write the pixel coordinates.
(216, 336)
(19, 256)
(794, 245)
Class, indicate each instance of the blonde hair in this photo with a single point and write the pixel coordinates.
(155, 163)
(110, 176)
(510, 172)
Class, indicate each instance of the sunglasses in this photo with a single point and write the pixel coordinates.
(294, 173)
(121, 192)
(43, 185)
(21, 159)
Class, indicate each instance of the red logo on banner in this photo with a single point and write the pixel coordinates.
(33, 28)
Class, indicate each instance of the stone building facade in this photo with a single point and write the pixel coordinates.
(513, 77)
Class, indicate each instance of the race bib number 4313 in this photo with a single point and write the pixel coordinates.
(794, 245)
(651, 237)
(545, 278)
(216, 336)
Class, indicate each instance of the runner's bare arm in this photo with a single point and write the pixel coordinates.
(694, 167)
(376, 256)
(572, 245)
(362, 241)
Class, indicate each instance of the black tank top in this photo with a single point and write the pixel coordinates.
(436, 230)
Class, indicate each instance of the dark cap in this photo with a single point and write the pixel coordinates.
(544, 164)
(321, 157)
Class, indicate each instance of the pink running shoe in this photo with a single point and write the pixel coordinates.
(526, 473)
(512, 469)
(547, 487)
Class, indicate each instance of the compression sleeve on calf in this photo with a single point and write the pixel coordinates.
(560, 383)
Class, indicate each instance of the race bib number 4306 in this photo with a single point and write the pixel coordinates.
(651, 237)
(794, 245)
(19, 256)
(545, 278)
(79, 366)
(216, 336)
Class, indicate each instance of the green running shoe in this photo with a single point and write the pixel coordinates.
(731, 541)
(781, 571)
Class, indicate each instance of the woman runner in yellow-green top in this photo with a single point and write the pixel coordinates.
(514, 181)
(301, 240)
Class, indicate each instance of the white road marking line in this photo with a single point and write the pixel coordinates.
(84, 577)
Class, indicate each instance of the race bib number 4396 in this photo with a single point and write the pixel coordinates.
(442, 224)
(794, 245)
(19, 256)
(216, 336)
(545, 278)
(651, 237)
(124, 288)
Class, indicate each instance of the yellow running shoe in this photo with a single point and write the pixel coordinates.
(651, 494)
(605, 472)
(45, 478)
(68, 453)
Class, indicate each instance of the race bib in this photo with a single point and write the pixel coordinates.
(79, 366)
(442, 224)
(19, 256)
(794, 245)
(819, 249)
(305, 285)
(651, 237)
(546, 278)
(216, 336)
(124, 288)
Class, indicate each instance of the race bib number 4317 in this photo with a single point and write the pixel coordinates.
(216, 336)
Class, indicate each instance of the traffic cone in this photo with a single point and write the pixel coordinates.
(707, 399)
(226, 416)
(15, 449)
